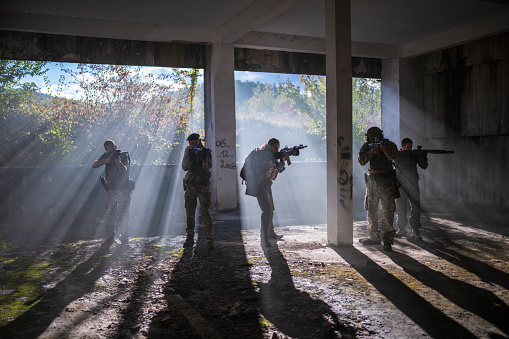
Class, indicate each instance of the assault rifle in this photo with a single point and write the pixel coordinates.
(287, 152)
(197, 154)
(114, 153)
(377, 144)
(419, 150)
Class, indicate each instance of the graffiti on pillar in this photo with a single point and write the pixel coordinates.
(225, 155)
(345, 192)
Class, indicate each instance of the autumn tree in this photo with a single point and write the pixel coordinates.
(17, 120)
(145, 112)
(304, 105)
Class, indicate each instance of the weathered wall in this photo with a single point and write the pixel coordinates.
(466, 109)
(64, 48)
(270, 61)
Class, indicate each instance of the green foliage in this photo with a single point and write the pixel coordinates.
(150, 115)
(146, 114)
(12, 89)
(366, 107)
(301, 109)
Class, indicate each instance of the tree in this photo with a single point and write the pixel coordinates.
(12, 89)
(307, 106)
(366, 107)
(16, 98)
(146, 113)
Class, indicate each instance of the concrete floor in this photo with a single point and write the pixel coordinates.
(453, 284)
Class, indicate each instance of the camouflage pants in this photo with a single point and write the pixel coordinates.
(118, 205)
(191, 195)
(380, 188)
(409, 192)
(266, 203)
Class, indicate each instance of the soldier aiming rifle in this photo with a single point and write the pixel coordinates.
(197, 162)
(381, 189)
(406, 172)
(260, 169)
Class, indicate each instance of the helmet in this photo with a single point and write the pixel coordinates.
(194, 136)
(375, 132)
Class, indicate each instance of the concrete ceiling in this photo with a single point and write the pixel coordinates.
(380, 28)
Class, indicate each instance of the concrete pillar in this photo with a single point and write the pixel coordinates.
(220, 124)
(411, 118)
(391, 99)
(402, 100)
(339, 122)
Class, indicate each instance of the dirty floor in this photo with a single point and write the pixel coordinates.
(453, 284)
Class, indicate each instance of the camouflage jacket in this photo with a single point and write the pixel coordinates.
(380, 162)
(267, 166)
(111, 171)
(197, 165)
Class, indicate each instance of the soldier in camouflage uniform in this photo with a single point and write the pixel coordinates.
(406, 172)
(380, 186)
(118, 190)
(197, 162)
(266, 168)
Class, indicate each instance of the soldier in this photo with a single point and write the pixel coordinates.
(406, 172)
(118, 190)
(197, 162)
(263, 166)
(380, 186)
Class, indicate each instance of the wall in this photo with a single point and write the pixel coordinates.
(466, 109)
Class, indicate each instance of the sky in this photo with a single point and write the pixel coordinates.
(72, 91)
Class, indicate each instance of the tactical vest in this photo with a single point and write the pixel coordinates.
(112, 173)
(379, 162)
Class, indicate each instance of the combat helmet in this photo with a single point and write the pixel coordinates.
(374, 132)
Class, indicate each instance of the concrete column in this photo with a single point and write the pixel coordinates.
(402, 100)
(411, 117)
(339, 122)
(391, 99)
(220, 124)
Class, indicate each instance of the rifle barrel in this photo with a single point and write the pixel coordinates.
(436, 151)
(431, 151)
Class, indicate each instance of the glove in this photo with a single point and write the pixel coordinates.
(193, 157)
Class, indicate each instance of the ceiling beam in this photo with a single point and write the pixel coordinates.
(456, 36)
(303, 44)
(55, 24)
(256, 14)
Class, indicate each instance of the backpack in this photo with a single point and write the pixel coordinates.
(248, 169)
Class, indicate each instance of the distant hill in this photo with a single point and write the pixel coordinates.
(244, 90)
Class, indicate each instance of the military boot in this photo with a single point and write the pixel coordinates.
(276, 236)
(210, 245)
(416, 235)
(367, 241)
(387, 246)
(265, 240)
(189, 241)
(401, 232)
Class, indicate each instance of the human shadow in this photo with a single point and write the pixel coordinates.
(291, 310)
(428, 317)
(216, 284)
(469, 297)
(48, 305)
(444, 246)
